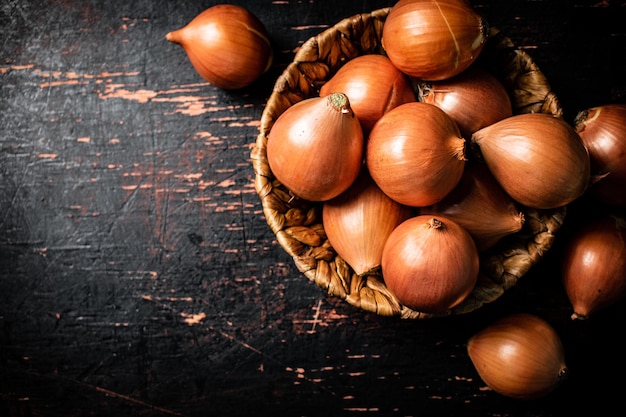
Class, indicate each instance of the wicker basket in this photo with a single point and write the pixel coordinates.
(297, 224)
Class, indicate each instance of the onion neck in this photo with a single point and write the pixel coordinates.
(563, 374)
(175, 36)
(435, 223)
(339, 102)
(461, 149)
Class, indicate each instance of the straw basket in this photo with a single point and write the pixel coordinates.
(297, 224)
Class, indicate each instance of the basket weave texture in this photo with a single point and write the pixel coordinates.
(297, 224)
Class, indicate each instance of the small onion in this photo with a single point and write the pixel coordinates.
(315, 147)
(416, 154)
(603, 131)
(594, 265)
(519, 356)
(430, 263)
(474, 99)
(433, 40)
(481, 206)
(538, 159)
(227, 45)
(373, 85)
(359, 221)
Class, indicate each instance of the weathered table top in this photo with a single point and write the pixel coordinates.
(138, 275)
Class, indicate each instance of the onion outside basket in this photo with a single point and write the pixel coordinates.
(297, 223)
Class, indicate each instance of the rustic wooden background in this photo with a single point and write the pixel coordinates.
(138, 276)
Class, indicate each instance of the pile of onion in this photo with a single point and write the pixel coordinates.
(425, 150)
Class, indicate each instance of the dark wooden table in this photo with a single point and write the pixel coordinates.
(138, 276)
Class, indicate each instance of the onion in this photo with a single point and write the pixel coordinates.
(416, 154)
(603, 131)
(519, 356)
(373, 85)
(227, 45)
(474, 99)
(481, 206)
(594, 265)
(430, 263)
(315, 147)
(433, 40)
(538, 159)
(359, 221)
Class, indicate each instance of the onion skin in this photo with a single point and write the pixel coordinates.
(519, 356)
(603, 131)
(316, 147)
(359, 221)
(227, 45)
(433, 40)
(538, 159)
(430, 263)
(373, 85)
(416, 154)
(594, 265)
(481, 206)
(474, 99)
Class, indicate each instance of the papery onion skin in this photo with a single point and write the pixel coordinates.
(594, 265)
(416, 154)
(481, 206)
(474, 99)
(519, 356)
(537, 158)
(373, 85)
(433, 40)
(359, 221)
(603, 131)
(315, 148)
(430, 263)
(227, 45)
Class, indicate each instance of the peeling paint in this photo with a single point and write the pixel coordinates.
(187, 99)
(6, 68)
(192, 319)
(118, 91)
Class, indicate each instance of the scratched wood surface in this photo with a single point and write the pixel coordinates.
(138, 276)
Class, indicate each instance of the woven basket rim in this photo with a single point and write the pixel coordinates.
(297, 223)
